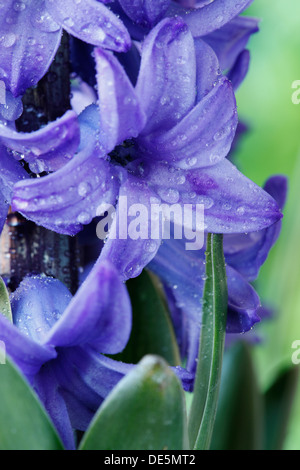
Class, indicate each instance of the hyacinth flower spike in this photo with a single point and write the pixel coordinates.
(184, 280)
(164, 140)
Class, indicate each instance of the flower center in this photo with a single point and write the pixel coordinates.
(124, 154)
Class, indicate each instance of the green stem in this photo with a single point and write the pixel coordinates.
(213, 330)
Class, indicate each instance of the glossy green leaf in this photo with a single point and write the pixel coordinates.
(208, 376)
(240, 417)
(279, 400)
(24, 425)
(145, 411)
(152, 330)
(5, 308)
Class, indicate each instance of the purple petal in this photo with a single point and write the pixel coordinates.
(185, 279)
(85, 379)
(99, 314)
(238, 73)
(203, 137)
(73, 387)
(89, 123)
(243, 303)
(4, 206)
(210, 15)
(277, 187)
(26, 353)
(229, 41)
(91, 376)
(167, 81)
(82, 95)
(190, 3)
(92, 22)
(11, 108)
(132, 247)
(11, 172)
(232, 203)
(37, 305)
(247, 252)
(49, 148)
(208, 74)
(79, 413)
(178, 318)
(29, 41)
(49, 391)
(88, 180)
(121, 116)
(145, 12)
(137, 32)
(187, 378)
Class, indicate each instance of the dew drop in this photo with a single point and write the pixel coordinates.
(150, 246)
(240, 210)
(169, 195)
(83, 189)
(84, 218)
(8, 40)
(19, 6)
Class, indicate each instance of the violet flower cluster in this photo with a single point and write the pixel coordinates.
(159, 129)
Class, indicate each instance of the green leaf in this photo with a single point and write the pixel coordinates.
(24, 425)
(152, 330)
(240, 418)
(279, 400)
(5, 308)
(213, 327)
(145, 411)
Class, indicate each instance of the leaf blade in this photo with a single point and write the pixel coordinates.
(208, 376)
(5, 307)
(240, 416)
(279, 399)
(150, 401)
(24, 424)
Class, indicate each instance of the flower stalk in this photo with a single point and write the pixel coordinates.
(208, 376)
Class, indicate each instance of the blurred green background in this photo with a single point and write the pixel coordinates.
(272, 146)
